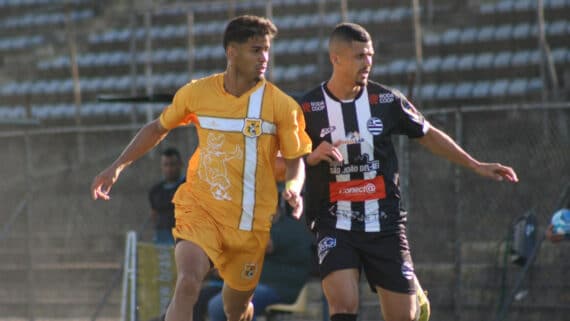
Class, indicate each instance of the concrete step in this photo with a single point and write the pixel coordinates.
(73, 274)
(53, 311)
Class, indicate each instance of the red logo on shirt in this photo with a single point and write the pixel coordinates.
(358, 190)
(306, 107)
(373, 99)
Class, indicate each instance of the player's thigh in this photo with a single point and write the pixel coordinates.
(396, 306)
(387, 262)
(192, 264)
(341, 290)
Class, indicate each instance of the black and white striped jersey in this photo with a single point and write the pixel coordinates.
(362, 192)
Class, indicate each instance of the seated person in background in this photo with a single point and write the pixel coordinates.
(285, 270)
(559, 227)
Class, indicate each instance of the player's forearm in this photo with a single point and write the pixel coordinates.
(440, 144)
(295, 172)
(147, 137)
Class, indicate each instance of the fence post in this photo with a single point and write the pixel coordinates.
(457, 299)
(29, 228)
(269, 15)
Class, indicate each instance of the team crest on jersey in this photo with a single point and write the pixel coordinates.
(375, 126)
(325, 245)
(249, 270)
(252, 127)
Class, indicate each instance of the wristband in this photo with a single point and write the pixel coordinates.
(290, 184)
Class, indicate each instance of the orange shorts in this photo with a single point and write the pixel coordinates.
(238, 255)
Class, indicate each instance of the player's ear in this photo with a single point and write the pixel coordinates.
(231, 50)
(333, 58)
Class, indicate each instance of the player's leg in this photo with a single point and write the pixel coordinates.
(389, 270)
(341, 290)
(339, 267)
(240, 268)
(237, 304)
(192, 265)
(397, 306)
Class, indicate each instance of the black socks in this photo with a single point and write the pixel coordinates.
(343, 317)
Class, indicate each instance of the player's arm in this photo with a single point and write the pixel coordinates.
(439, 143)
(294, 179)
(147, 137)
(326, 152)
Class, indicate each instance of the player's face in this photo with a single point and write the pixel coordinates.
(355, 61)
(171, 167)
(252, 57)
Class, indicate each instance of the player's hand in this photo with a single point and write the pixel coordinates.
(325, 152)
(552, 237)
(102, 183)
(497, 172)
(294, 198)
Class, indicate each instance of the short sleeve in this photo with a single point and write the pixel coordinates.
(293, 140)
(179, 112)
(411, 122)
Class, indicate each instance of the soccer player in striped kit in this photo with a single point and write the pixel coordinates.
(223, 211)
(352, 194)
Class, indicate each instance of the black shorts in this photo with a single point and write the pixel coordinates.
(385, 258)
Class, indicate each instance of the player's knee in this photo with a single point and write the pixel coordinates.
(343, 305)
(401, 315)
(188, 286)
(239, 312)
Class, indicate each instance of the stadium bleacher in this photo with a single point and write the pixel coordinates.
(460, 59)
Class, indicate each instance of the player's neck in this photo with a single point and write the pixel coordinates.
(343, 90)
(236, 84)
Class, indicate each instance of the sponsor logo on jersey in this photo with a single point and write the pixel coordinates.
(359, 190)
(375, 126)
(328, 130)
(317, 105)
(408, 270)
(412, 112)
(252, 127)
(352, 138)
(373, 99)
(360, 164)
(386, 98)
(325, 245)
(313, 106)
(249, 270)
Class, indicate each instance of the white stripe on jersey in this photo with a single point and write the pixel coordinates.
(232, 125)
(334, 113)
(250, 164)
(371, 208)
(335, 117)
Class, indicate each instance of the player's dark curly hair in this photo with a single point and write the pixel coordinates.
(242, 28)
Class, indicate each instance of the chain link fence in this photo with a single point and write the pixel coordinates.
(55, 240)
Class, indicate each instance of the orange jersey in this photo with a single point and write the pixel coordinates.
(231, 174)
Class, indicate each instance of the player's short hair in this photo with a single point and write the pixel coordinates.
(171, 152)
(242, 28)
(348, 32)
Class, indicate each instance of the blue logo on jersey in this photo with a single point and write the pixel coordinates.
(375, 126)
(325, 245)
